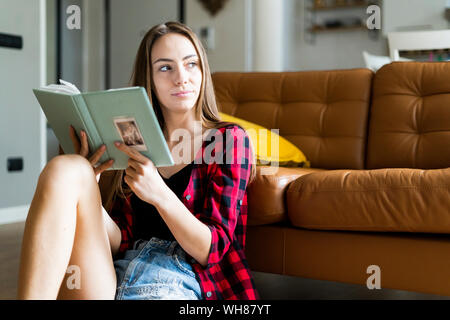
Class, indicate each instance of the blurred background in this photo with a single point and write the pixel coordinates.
(93, 43)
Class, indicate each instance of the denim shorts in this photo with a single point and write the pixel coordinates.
(156, 270)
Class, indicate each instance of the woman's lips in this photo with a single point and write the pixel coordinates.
(182, 93)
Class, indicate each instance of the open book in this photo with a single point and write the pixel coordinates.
(124, 114)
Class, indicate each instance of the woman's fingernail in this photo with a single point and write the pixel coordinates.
(117, 143)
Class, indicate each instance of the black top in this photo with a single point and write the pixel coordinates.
(148, 222)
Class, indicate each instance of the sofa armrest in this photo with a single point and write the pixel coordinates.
(266, 194)
(397, 200)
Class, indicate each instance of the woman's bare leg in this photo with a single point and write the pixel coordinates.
(65, 226)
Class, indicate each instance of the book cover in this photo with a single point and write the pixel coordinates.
(107, 116)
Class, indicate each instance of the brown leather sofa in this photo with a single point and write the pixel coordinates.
(378, 190)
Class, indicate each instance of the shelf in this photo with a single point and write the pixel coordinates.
(340, 28)
(326, 18)
(362, 4)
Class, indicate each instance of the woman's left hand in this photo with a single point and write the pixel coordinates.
(142, 176)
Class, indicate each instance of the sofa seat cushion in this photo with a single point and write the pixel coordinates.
(266, 194)
(398, 200)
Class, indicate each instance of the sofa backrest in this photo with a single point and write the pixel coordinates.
(324, 113)
(410, 116)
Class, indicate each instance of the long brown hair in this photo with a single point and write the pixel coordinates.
(206, 108)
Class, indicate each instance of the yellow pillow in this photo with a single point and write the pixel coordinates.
(287, 155)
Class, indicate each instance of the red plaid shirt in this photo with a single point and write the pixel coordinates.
(216, 195)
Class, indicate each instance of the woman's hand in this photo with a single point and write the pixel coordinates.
(142, 176)
(82, 148)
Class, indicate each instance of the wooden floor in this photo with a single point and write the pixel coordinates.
(11, 240)
(270, 286)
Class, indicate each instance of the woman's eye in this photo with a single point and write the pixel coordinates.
(164, 68)
(192, 64)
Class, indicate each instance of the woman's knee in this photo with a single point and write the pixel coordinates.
(68, 168)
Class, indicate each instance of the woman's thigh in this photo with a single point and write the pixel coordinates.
(92, 274)
(113, 231)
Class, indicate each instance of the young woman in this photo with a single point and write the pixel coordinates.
(167, 233)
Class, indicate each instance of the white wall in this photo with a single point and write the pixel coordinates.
(268, 40)
(409, 15)
(71, 45)
(232, 27)
(22, 124)
(93, 45)
(50, 18)
(130, 20)
(52, 141)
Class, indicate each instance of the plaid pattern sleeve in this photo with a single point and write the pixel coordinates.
(225, 191)
(227, 275)
(121, 213)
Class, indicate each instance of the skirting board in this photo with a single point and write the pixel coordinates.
(14, 214)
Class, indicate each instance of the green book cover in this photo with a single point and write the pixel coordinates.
(107, 116)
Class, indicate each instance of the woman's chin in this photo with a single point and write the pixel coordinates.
(179, 105)
(181, 108)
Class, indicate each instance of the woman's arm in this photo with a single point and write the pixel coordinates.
(192, 234)
(144, 180)
(208, 236)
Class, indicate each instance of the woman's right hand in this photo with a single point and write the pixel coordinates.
(81, 147)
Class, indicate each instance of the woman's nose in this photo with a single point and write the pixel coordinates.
(181, 76)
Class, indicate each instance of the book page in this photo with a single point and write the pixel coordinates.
(64, 87)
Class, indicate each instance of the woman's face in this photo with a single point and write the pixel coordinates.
(177, 75)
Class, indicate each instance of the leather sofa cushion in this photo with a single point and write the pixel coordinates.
(402, 200)
(324, 113)
(266, 194)
(410, 116)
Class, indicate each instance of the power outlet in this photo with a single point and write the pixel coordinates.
(15, 164)
(10, 41)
